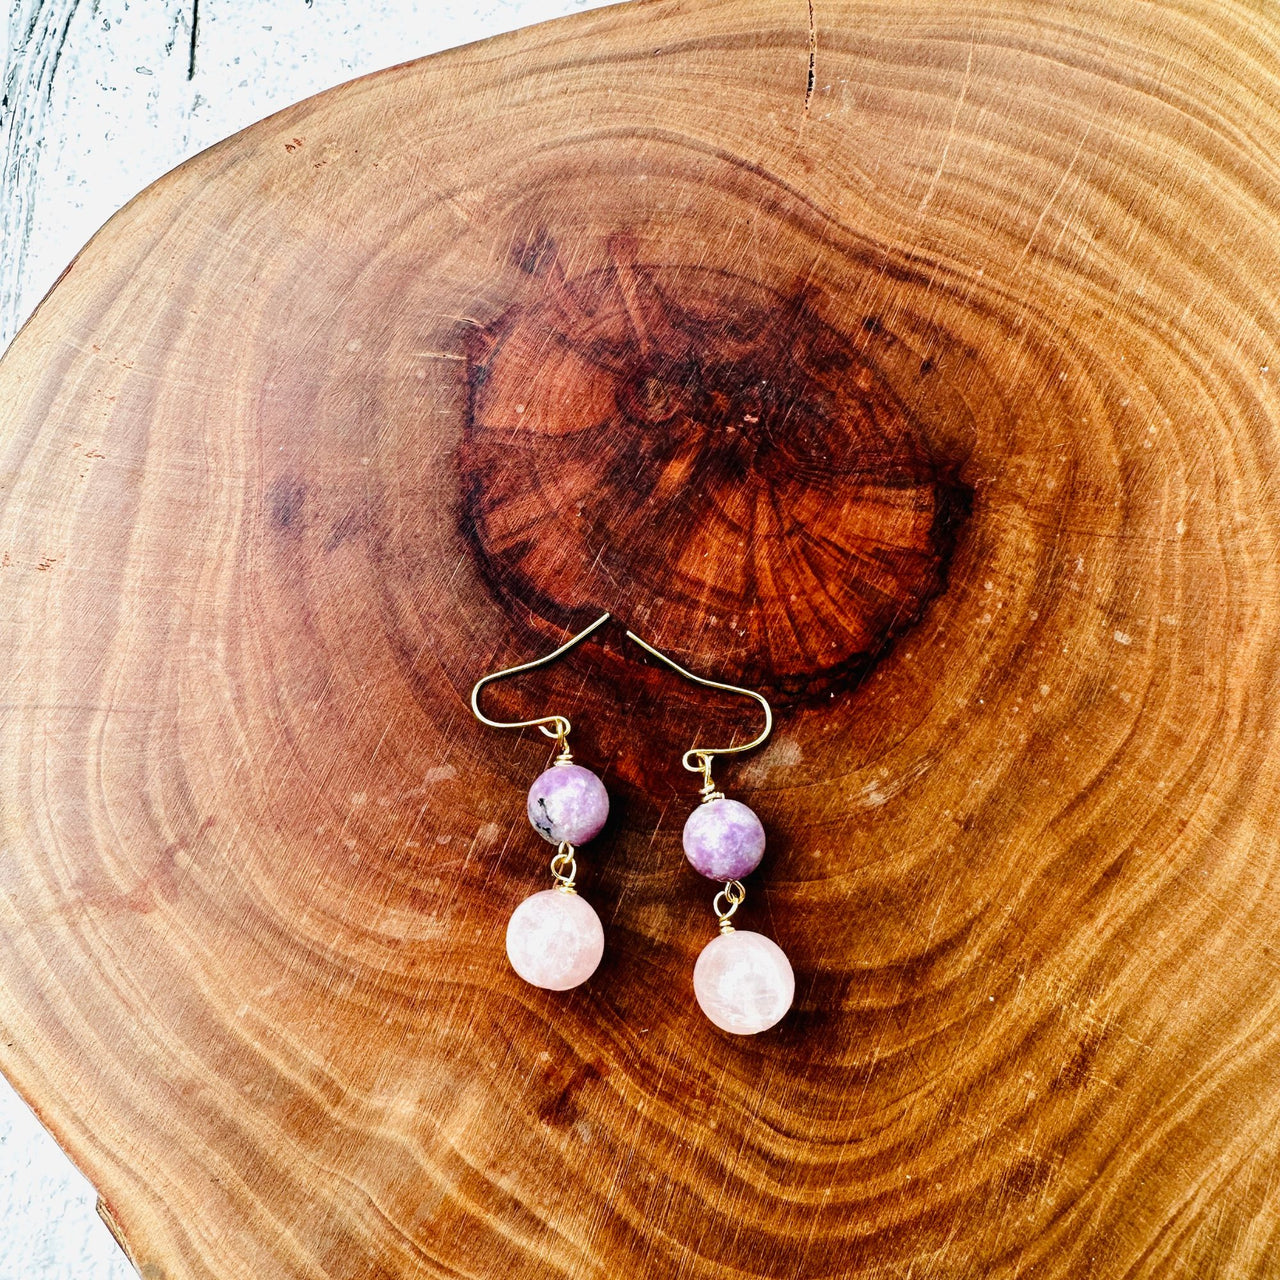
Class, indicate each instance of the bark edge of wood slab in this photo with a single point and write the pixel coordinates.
(916, 365)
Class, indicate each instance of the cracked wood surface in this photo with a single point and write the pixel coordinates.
(935, 394)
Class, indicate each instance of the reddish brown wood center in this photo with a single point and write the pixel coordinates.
(693, 451)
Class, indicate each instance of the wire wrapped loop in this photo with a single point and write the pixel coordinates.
(700, 762)
(726, 902)
(559, 730)
(564, 867)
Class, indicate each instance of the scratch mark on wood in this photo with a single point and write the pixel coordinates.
(1057, 191)
(813, 58)
(951, 132)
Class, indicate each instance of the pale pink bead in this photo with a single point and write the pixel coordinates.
(555, 940)
(743, 982)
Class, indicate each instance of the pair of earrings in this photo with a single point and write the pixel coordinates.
(742, 980)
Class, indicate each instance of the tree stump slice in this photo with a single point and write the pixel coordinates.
(915, 363)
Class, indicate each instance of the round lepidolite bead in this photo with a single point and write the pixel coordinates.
(568, 802)
(555, 940)
(743, 982)
(724, 840)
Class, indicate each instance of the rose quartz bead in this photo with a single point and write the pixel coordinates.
(555, 940)
(723, 839)
(568, 802)
(743, 982)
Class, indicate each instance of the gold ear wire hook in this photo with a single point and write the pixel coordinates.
(560, 724)
(701, 757)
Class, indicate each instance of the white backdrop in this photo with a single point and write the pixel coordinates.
(101, 97)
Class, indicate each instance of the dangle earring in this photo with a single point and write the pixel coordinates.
(742, 980)
(554, 938)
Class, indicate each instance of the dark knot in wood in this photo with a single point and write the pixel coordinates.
(712, 461)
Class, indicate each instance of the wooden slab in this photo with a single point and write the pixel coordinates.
(916, 362)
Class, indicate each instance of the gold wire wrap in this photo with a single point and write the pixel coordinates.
(554, 726)
(708, 790)
(564, 867)
(734, 894)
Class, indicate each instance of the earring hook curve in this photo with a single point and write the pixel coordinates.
(560, 724)
(698, 759)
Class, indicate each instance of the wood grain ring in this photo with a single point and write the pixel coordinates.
(257, 857)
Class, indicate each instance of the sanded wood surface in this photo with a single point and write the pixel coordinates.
(916, 362)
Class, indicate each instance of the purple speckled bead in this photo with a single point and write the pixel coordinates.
(724, 840)
(569, 803)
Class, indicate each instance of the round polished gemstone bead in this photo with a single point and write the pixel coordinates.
(743, 982)
(723, 839)
(555, 940)
(568, 802)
